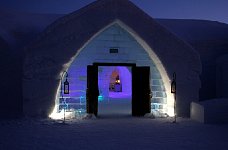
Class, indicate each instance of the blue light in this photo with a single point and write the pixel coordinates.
(100, 98)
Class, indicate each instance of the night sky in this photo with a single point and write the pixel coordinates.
(216, 10)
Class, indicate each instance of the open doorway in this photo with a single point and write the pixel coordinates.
(115, 91)
(98, 89)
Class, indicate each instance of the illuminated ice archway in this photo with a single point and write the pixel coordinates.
(133, 49)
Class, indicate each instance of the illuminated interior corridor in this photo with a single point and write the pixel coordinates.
(117, 81)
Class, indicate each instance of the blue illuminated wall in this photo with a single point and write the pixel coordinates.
(97, 50)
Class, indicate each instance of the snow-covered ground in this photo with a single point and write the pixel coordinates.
(112, 131)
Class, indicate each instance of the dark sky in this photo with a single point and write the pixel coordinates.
(216, 10)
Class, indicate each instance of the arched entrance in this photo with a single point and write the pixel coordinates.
(116, 43)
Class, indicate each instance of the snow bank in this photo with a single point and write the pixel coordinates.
(210, 111)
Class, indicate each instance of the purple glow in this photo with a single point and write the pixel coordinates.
(104, 80)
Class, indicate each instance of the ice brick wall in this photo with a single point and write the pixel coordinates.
(129, 51)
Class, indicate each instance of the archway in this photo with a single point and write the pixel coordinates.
(115, 87)
(98, 48)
